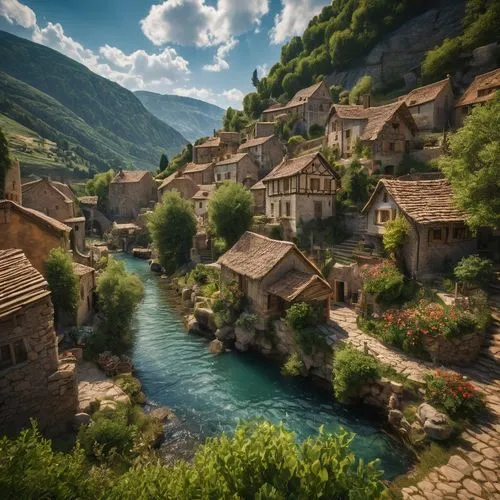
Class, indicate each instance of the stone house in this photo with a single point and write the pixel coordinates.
(431, 105)
(35, 233)
(86, 287)
(311, 105)
(201, 199)
(200, 173)
(238, 168)
(12, 183)
(258, 191)
(178, 182)
(130, 191)
(266, 152)
(262, 129)
(438, 237)
(480, 91)
(388, 132)
(273, 275)
(216, 148)
(34, 383)
(301, 188)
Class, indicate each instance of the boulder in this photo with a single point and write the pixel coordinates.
(163, 414)
(155, 266)
(225, 333)
(395, 417)
(435, 424)
(393, 402)
(186, 293)
(244, 338)
(191, 323)
(205, 318)
(81, 419)
(216, 347)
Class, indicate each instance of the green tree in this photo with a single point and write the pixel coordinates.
(395, 234)
(355, 185)
(472, 165)
(230, 212)
(255, 79)
(99, 186)
(163, 163)
(178, 161)
(363, 86)
(253, 105)
(4, 161)
(335, 90)
(63, 283)
(119, 293)
(473, 271)
(291, 50)
(234, 120)
(172, 226)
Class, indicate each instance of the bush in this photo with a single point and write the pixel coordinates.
(363, 86)
(316, 131)
(395, 234)
(247, 321)
(384, 281)
(452, 394)
(295, 139)
(474, 271)
(276, 232)
(352, 369)
(132, 387)
(292, 366)
(300, 316)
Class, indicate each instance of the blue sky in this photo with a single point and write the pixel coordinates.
(201, 48)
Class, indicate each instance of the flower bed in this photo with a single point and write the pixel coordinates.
(384, 281)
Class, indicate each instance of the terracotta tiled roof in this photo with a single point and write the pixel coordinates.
(81, 270)
(204, 192)
(59, 188)
(88, 200)
(255, 142)
(196, 167)
(299, 98)
(129, 176)
(274, 106)
(425, 94)
(36, 216)
(64, 188)
(424, 201)
(236, 158)
(258, 185)
(20, 283)
(482, 84)
(175, 178)
(255, 255)
(211, 142)
(350, 111)
(296, 284)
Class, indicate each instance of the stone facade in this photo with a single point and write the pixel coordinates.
(266, 152)
(262, 129)
(216, 148)
(12, 183)
(33, 232)
(77, 236)
(259, 198)
(238, 168)
(199, 173)
(130, 191)
(86, 287)
(180, 183)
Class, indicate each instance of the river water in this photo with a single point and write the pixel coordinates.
(210, 394)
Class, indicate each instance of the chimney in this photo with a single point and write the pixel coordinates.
(120, 172)
(367, 98)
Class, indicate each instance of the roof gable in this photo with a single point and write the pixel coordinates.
(255, 142)
(58, 189)
(428, 93)
(129, 176)
(477, 91)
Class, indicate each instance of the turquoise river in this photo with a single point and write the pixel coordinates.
(210, 394)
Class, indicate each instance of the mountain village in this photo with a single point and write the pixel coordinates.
(316, 274)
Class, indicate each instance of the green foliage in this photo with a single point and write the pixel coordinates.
(203, 275)
(384, 281)
(99, 186)
(292, 366)
(246, 321)
(119, 293)
(276, 232)
(316, 131)
(234, 120)
(63, 283)
(355, 185)
(255, 79)
(363, 86)
(358, 147)
(132, 387)
(253, 105)
(295, 139)
(330, 231)
(474, 271)
(163, 162)
(352, 369)
(300, 316)
(473, 165)
(452, 394)
(178, 161)
(441, 60)
(172, 226)
(4, 161)
(230, 212)
(335, 90)
(395, 234)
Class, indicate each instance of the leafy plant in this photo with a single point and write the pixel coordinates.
(295, 139)
(474, 271)
(384, 281)
(363, 86)
(292, 366)
(352, 369)
(452, 394)
(300, 316)
(246, 321)
(395, 234)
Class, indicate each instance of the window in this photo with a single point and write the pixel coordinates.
(286, 185)
(436, 235)
(395, 126)
(392, 146)
(385, 198)
(327, 185)
(272, 209)
(418, 110)
(382, 216)
(314, 183)
(82, 292)
(20, 353)
(347, 134)
(200, 204)
(6, 359)
(318, 209)
(287, 209)
(227, 175)
(279, 209)
(219, 177)
(13, 354)
(460, 233)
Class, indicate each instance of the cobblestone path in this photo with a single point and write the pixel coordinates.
(474, 471)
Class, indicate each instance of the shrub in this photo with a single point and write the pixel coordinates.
(132, 387)
(452, 394)
(363, 86)
(292, 366)
(309, 340)
(300, 316)
(247, 321)
(352, 369)
(473, 271)
(295, 139)
(276, 232)
(384, 281)
(395, 234)
(316, 131)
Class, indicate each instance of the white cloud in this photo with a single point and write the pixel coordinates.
(194, 22)
(262, 70)
(234, 95)
(231, 97)
(17, 13)
(220, 62)
(197, 93)
(294, 18)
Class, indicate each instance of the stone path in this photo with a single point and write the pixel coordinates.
(94, 385)
(473, 472)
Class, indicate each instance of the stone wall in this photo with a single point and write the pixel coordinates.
(41, 386)
(461, 350)
(127, 198)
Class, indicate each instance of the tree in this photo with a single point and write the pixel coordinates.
(230, 212)
(395, 234)
(473, 271)
(63, 283)
(4, 161)
(473, 165)
(163, 162)
(99, 186)
(363, 86)
(119, 293)
(234, 120)
(255, 79)
(172, 226)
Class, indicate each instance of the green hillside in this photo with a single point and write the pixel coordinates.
(61, 99)
(191, 117)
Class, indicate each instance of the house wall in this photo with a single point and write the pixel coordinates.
(36, 241)
(186, 188)
(263, 129)
(39, 387)
(45, 199)
(127, 198)
(12, 184)
(86, 285)
(200, 207)
(318, 107)
(266, 155)
(259, 201)
(379, 204)
(337, 131)
(434, 115)
(77, 233)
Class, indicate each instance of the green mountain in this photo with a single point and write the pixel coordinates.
(191, 117)
(63, 100)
